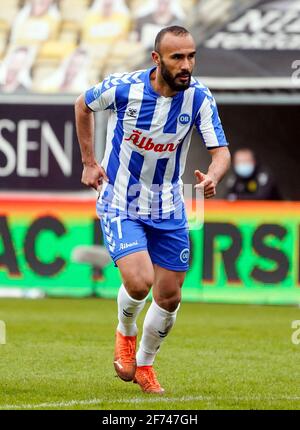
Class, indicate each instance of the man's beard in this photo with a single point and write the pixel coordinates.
(170, 80)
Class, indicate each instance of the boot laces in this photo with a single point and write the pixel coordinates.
(127, 351)
(149, 378)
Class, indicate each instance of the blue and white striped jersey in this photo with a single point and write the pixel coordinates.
(148, 137)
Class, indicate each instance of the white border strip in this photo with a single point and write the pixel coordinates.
(156, 399)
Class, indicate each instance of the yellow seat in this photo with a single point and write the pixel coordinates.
(124, 48)
(98, 52)
(4, 25)
(69, 32)
(2, 46)
(74, 12)
(68, 25)
(56, 49)
(8, 11)
(127, 53)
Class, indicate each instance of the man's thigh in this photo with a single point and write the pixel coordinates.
(137, 273)
(122, 236)
(126, 242)
(169, 249)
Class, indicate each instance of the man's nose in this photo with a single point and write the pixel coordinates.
(185, 65)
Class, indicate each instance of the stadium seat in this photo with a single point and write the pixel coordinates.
(80, 22)
(3, 40)
(69, 31)
(28, 29)
(110, 27)
(74, 12)
(8, 12)
(129, 53)
(56, 49)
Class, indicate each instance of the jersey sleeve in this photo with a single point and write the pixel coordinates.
(101, 96)
(208, 124)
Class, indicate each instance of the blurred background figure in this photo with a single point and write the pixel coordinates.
(155, 15)
(15, 71)
(71, 76)
(38, 21)
(106, 22)
(250, 180)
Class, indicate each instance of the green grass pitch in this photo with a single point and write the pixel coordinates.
(59, 354)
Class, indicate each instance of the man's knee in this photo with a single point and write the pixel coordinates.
(170, 304)
(167, 291)
(138, 285)
(168, 299)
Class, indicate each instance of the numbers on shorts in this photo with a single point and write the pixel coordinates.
(117, 220)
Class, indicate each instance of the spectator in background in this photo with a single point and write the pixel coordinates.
(250, 180)
(15, 71)
(154, 16)
(106, 21)
(38, 21)
(71, 76)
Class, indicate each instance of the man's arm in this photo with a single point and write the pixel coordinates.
(92, 174)
(209, 126)
(218, 168)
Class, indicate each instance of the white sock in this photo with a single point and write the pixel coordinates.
(128, 311)
(158, 323)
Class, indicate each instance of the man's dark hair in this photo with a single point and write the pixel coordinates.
(174, 29)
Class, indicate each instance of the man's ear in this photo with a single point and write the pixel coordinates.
(155, 57)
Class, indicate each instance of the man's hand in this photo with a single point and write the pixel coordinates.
(205, 184)
(93, 176)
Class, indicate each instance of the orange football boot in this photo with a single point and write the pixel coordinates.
(146, 378)
(124, 361)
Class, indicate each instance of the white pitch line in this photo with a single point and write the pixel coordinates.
(149, 400)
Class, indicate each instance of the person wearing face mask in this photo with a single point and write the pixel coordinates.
(250, 180)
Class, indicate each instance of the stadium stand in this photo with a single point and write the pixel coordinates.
(71, 44)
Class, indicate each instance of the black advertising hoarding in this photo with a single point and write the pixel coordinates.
(262, 41)
(39, 148)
